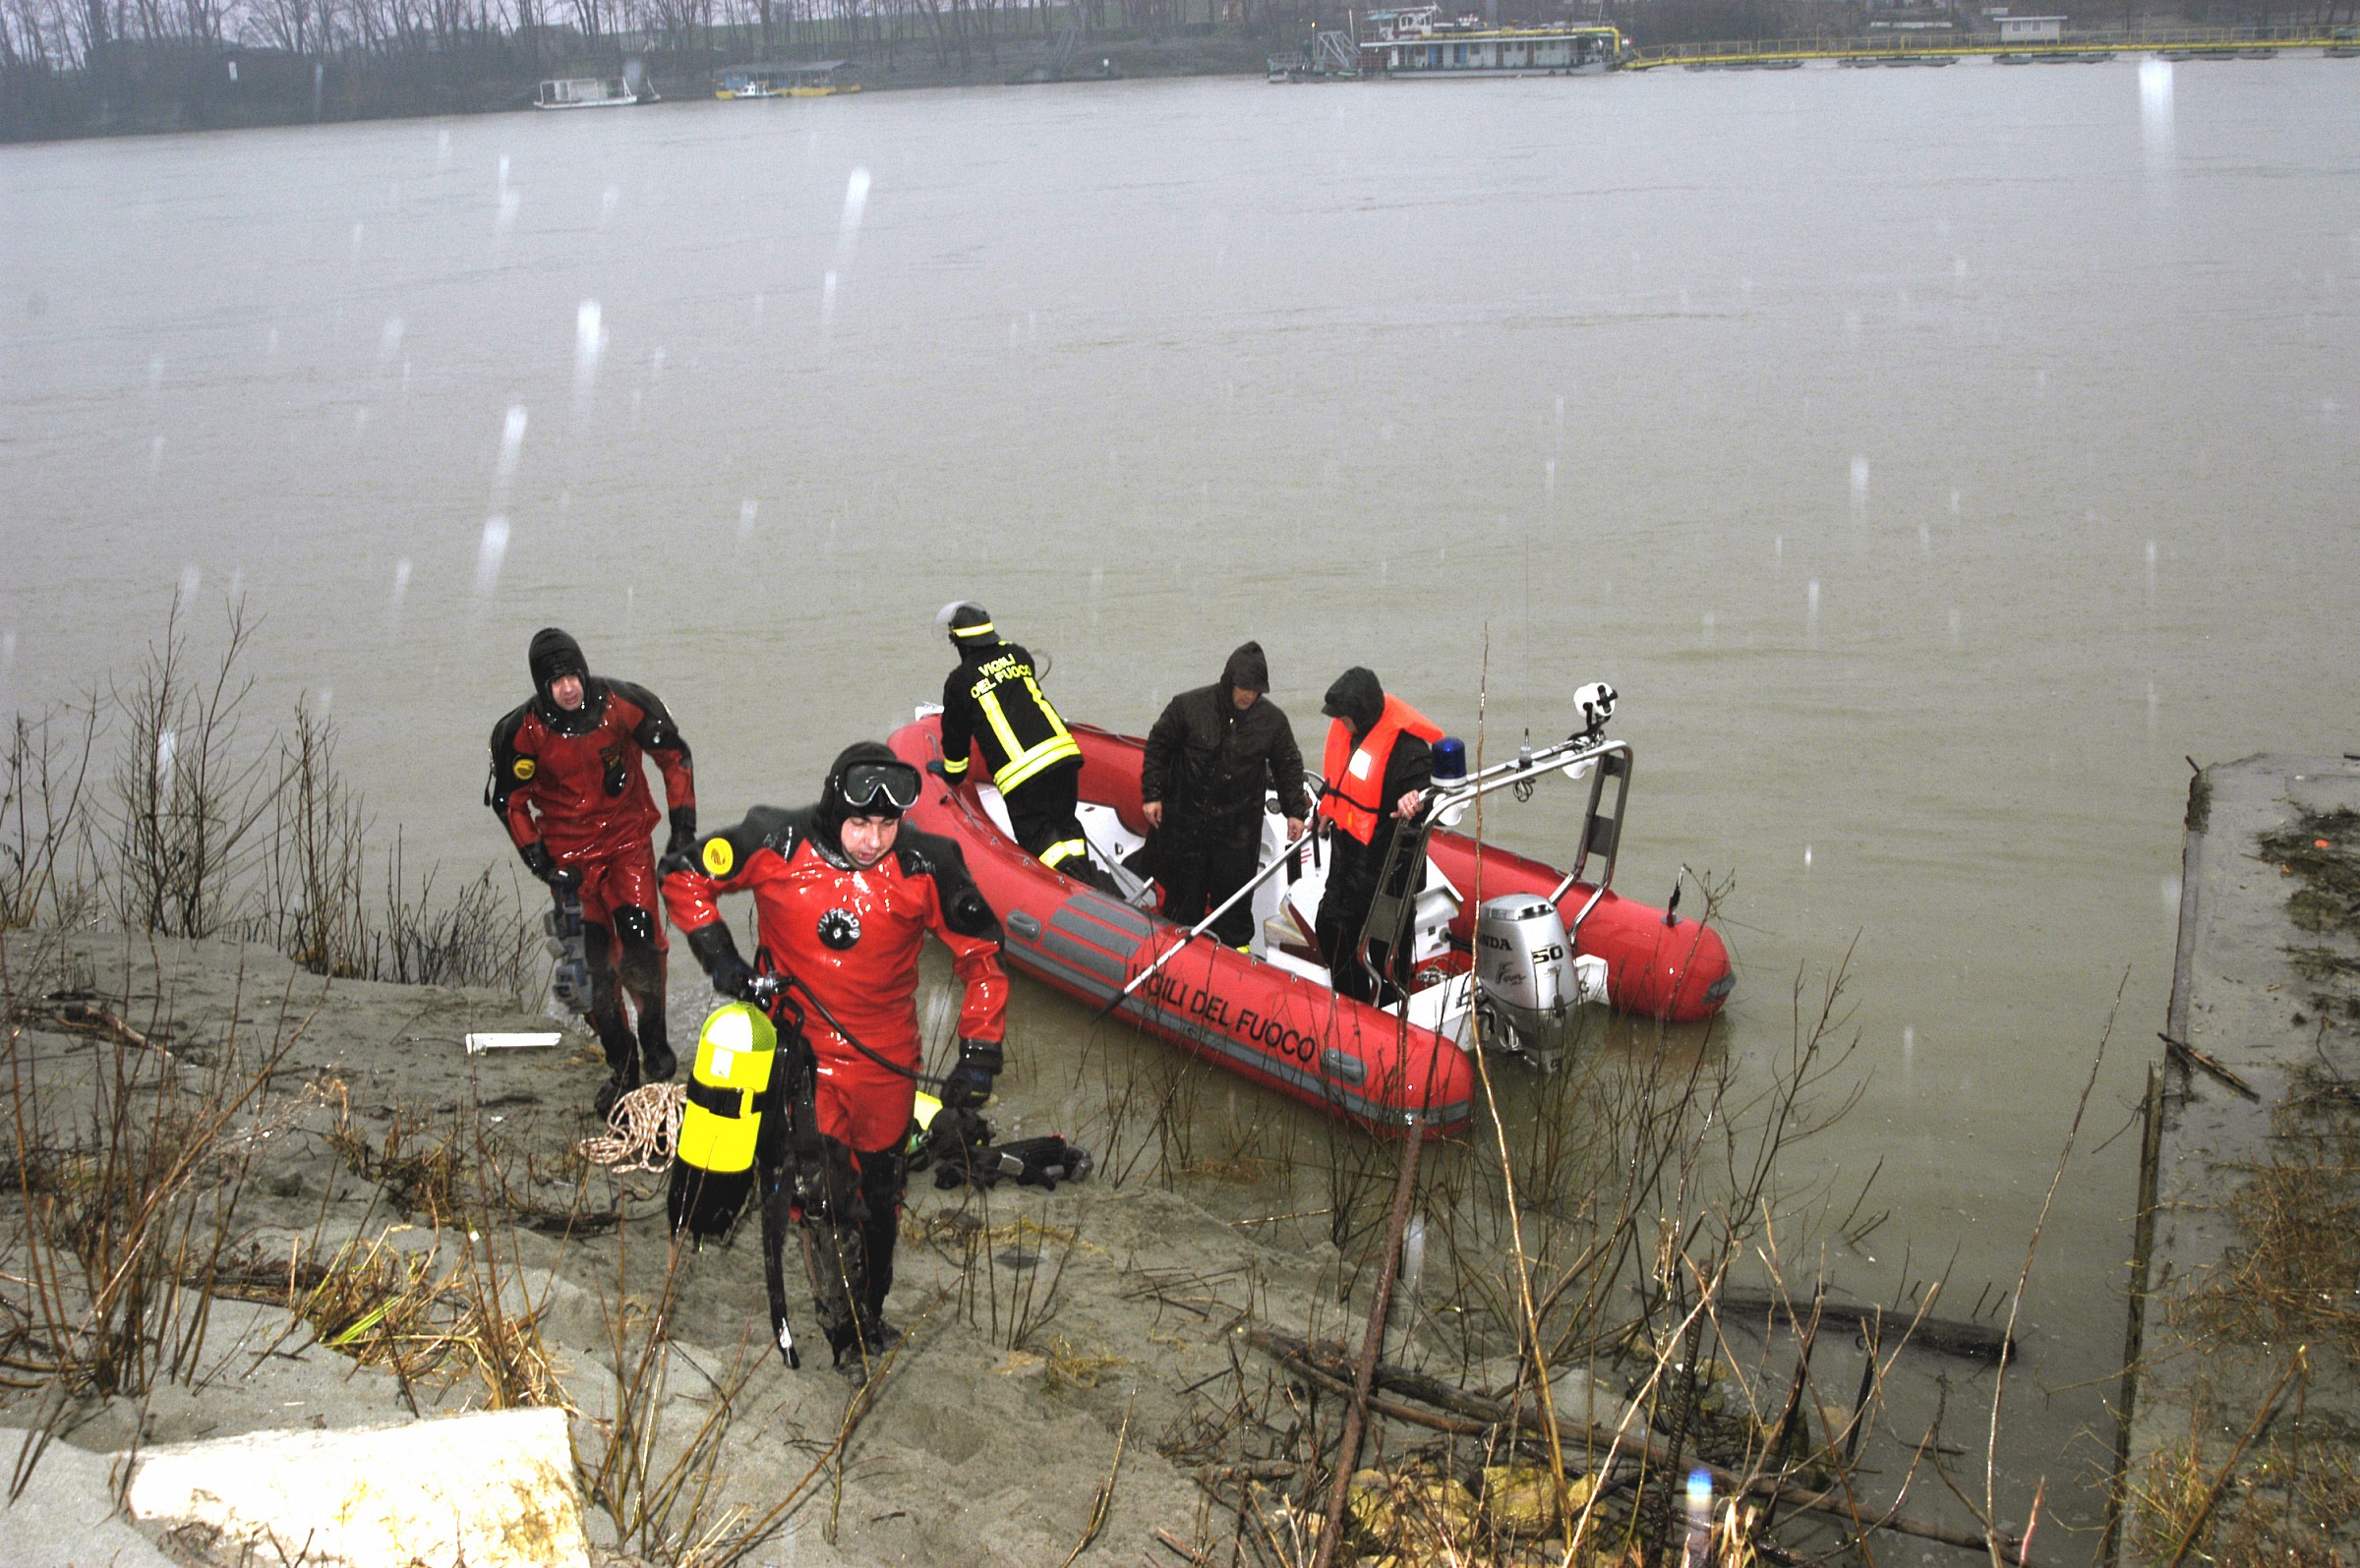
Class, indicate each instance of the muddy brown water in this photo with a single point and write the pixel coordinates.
(1931, 460)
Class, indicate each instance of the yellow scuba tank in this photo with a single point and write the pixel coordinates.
(734, 1052)
(921, 1121)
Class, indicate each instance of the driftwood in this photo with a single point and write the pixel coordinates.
(1327, 1366)
(2188, 1056)
(88, 1018)
(1364, 1371)
(1949, 1335)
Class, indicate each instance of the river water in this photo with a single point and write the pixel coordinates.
(1931, 458)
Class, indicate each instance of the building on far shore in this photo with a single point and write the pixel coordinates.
(2031, 30)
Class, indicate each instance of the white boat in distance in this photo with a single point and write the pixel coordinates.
(585, 92)
(1419, 43)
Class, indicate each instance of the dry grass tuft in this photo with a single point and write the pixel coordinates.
(428, 1319)
(1068, 1365)
(2298, 1217)
(2291, 1500)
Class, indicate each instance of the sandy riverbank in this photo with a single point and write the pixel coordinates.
(986, 1444)
(329, 1215)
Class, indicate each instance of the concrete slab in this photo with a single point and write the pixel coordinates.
(2219, 1411)
(496, 1490)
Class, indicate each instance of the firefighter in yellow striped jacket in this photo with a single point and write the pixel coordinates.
(994, 703)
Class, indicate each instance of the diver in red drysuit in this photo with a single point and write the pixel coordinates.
(844, 899)
(845, 894)
(566, 781)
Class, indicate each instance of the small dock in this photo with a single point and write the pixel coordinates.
(1932, 49)
(2239, 1406)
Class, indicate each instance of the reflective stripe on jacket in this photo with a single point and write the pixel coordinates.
(1354, 797)
(996, 700)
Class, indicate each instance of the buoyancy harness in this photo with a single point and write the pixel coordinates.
(1353, 773)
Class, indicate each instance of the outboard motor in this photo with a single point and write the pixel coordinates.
(1526, 970)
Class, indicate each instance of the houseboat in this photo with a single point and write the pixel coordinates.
(1422, 43)
(818, 79)
(813, 78)
(585, 92)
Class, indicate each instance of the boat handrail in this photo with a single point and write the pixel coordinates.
(1589, 750)
(1567, 753)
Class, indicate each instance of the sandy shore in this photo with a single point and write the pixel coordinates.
(1039, 1323)
(337, 1217)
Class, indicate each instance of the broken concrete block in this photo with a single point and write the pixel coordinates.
(492, 1491)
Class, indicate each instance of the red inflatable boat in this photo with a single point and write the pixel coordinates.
(1491, 933)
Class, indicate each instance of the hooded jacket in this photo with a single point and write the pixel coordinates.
(572, 778)
(1212, 765)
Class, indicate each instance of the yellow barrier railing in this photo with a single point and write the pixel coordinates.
(1936, 45)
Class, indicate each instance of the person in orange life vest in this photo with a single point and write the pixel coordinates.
(992, 700)
(569, 785)
(1379, 760)
(845, 894)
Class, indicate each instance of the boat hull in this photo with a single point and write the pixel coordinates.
(1275, 1027)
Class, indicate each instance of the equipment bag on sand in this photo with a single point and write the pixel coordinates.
(958, 1144)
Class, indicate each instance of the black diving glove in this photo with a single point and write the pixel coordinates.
(969, 1084)
(717, 951)
(683, 834)
(734, 977)
(541, 863)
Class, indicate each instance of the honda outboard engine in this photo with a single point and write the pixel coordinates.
(1526, 970)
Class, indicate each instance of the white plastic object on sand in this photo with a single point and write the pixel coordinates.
(512, 1041)
(494, 1489)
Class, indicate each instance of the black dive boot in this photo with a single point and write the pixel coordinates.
(620, 1082)
(623, 1060)
(655, 1046)
(860, 1356)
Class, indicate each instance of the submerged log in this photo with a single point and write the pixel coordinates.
(1326, 1365)
(1949, 1335)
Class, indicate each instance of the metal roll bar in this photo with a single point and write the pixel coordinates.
(1395, 904)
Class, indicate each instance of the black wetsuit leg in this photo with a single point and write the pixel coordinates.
(614, 1034)
(642, 976)
(883, 1179)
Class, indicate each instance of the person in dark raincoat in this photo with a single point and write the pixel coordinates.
(1211, 760)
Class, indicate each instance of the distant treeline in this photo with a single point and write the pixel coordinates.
(94, 67)
(97, 67)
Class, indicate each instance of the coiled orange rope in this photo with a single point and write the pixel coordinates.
(642, 1130)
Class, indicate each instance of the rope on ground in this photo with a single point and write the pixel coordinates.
(642, 1130)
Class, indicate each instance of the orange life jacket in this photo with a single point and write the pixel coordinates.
(1354, 799)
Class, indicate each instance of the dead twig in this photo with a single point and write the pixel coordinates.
(1104, 1502)
(2188, 1056)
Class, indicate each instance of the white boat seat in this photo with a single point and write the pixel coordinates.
(1113, 847)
